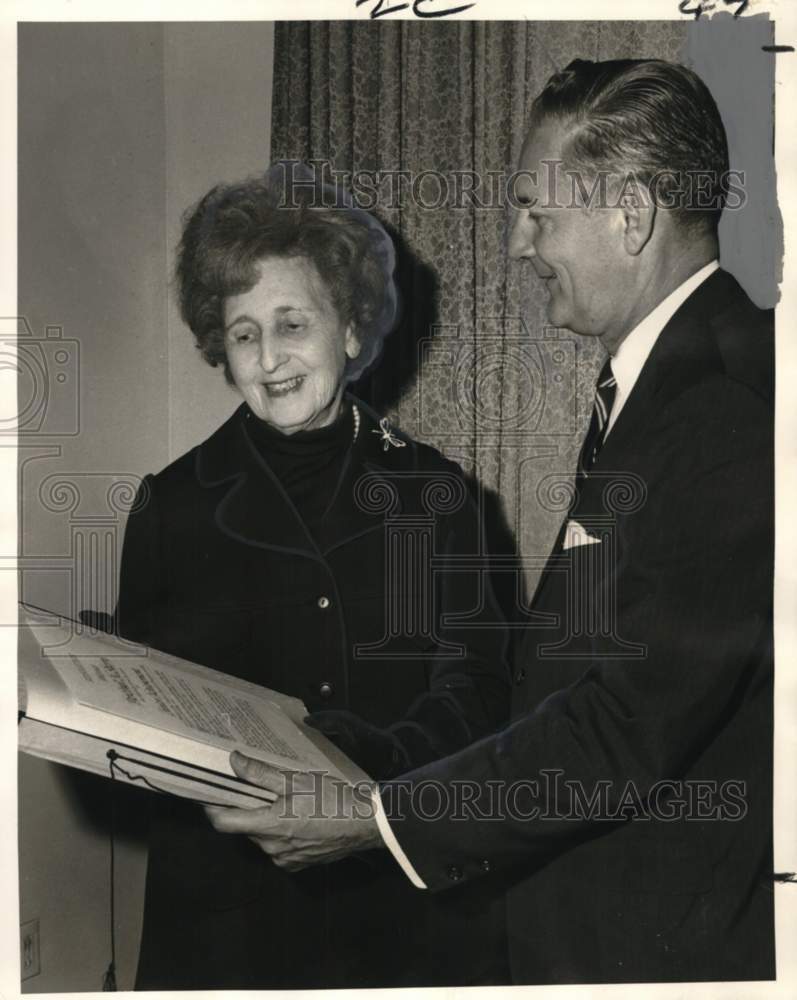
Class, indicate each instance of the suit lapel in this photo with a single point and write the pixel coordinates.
(367, 479)
(683, 354)
(254, 508)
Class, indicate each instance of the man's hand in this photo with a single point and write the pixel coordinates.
(314, 819)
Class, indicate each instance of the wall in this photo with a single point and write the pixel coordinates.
(218, 127)
(751, 237)
(120, 128)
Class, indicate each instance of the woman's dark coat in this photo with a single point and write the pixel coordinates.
(219, 568)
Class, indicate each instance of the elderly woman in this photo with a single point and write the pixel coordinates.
(262, 553)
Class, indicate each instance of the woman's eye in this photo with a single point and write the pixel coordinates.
(243, 336)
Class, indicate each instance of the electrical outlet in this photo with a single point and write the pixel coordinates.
(29, 953)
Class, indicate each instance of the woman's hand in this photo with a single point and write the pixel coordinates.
(376, 751)
(315, 818)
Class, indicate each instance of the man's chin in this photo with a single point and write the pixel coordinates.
(562, 316)
(557, 315)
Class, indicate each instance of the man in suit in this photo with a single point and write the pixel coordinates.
(628, 804)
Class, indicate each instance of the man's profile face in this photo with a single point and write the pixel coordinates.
(578, 252)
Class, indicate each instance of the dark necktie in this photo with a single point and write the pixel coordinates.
(605, 391)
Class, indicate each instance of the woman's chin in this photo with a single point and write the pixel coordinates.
(288, 423)
(291, 417)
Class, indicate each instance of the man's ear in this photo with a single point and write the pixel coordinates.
(353, 345)
(639, 215)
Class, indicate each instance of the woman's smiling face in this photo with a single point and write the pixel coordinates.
(287, 347)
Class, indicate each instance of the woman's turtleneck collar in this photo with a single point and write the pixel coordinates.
(318, 441)
(308, 464)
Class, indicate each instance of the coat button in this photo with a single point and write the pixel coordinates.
(326, 690)
(454, 872)
(520, 676)
(485, 865)
(323, 603)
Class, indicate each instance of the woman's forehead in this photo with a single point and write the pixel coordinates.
(282, 283)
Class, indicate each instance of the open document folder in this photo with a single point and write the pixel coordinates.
(108, 706)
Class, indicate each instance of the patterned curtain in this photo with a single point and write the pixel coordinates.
(474, 369)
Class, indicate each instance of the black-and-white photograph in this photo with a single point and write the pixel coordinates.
(392, 403)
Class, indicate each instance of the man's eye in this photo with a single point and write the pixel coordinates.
(293, 325)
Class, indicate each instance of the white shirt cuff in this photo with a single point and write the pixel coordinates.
(392, 844)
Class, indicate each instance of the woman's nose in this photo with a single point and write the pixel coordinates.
(272, 353)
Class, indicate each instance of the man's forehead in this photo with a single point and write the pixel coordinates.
(544, 141)
(541, 149)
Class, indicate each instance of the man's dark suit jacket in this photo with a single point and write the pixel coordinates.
(219, 567)
(671, 679)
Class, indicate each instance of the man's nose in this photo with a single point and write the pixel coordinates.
(521, 237)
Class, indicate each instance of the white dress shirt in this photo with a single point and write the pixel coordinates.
(633, 352)
(627, 364)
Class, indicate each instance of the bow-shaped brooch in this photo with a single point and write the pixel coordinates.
(388, 437)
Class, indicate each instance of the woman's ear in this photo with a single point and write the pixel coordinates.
(353, 345)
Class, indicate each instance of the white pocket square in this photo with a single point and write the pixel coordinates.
(576, 534)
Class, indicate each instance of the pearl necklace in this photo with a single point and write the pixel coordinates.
(354, 411)
(356, 415)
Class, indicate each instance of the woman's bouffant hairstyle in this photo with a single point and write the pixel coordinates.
(654, 119)
(285, 213)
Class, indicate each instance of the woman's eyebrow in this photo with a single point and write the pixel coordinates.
(279, 311)
(243, 318)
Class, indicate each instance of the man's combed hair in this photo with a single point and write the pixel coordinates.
(236, 227)
(646, 118)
